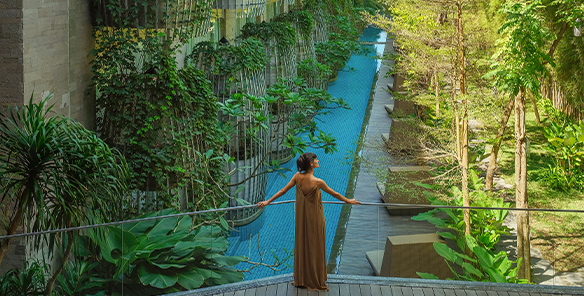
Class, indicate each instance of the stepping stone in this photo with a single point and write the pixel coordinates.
(501, 186)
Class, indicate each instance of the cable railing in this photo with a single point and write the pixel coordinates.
(157, 253)
(285, 202)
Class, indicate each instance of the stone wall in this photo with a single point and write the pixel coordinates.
(11, 70)
(56, 41)
(44, 48)
(15, 257)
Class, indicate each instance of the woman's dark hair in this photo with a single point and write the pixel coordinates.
(303, 162)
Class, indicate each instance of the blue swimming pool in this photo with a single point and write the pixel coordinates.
(275, 227)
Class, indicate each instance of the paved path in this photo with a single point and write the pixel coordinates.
(368, 227)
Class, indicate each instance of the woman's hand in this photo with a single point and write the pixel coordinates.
(353, 202)
(262, 204)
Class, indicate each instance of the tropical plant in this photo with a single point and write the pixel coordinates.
(165, 255)
(79, 278)
(491, 267)
(566, 144)
(486, 225)
(29, 281)
(59, 174)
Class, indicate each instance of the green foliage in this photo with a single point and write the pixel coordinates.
(313, 72)
(335, 54)
(156, 114)
(486, 229)
(79, 279)
(486, 225)
(491, 267)
(519, 60)
(228, 60)
(341, 28)
(301, 19)
(282, 33)
(57, 173)
(29, 281)
(179, 22)
(165, 255)
(566, 144)
(294, 103)
(342, 42)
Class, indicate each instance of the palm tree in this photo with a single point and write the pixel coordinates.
(56, 174)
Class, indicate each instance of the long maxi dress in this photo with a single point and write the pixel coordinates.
(310, 241)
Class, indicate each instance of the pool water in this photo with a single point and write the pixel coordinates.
(273, 231)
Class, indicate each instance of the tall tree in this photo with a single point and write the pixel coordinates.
(431, 45)
(518, 66)
(559, 16)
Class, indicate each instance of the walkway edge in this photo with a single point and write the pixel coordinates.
(390, 281)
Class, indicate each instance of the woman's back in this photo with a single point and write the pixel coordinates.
(306, 182)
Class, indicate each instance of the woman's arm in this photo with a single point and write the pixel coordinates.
(336, 195)
(279, 193)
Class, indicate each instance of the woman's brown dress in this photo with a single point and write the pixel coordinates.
(310, 241)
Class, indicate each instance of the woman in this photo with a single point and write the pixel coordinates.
(310, 234)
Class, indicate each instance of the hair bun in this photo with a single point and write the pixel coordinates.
(303, 162)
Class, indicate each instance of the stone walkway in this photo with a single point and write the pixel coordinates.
(368, 227)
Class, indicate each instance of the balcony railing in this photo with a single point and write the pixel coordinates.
(242, 8)
(155, 14)
(170, 251)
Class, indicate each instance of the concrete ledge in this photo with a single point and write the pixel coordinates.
(285, 278)
(375, 259)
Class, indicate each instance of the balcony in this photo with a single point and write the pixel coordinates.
(154, 14)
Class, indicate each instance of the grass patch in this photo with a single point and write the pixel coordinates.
(559, 236)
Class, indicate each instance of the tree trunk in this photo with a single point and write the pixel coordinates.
(53, 279)
(464, 164)
(461, 52)
(523, 242)
(11, 230)
(532, 97)
(497, 145)
(437, 90)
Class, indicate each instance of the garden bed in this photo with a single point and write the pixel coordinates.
(557, 235)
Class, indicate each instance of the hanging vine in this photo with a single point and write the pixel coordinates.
(281, 32)
(302, 20)
(162, 119)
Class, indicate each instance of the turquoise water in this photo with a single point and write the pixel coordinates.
(275, 227)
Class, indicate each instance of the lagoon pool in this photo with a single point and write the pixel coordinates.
(275, 227)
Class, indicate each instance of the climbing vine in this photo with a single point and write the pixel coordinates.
(281, 32)
(228, 60)
(302, 19)
(314, 73)
(160, 117)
